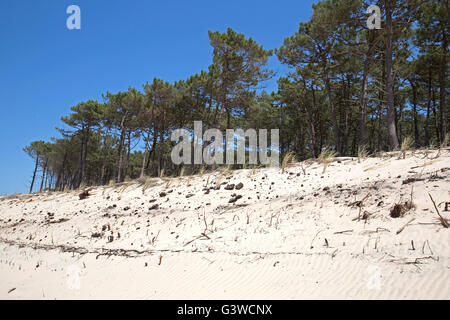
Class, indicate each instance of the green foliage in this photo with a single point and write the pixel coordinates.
(333, 100)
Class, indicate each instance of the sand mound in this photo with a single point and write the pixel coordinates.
(248, 234)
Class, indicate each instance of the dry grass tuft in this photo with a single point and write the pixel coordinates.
(363, 153)
(202, 171)
(325, 157)
(219, 180)
(288, 158)
(16, 196)
(125, 187)
(168, 183)
(228, 172)
(253, 171)
(406, 145)
(149, 182)
(82, 186)
(188, 182)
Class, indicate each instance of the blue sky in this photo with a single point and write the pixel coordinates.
(46, 68)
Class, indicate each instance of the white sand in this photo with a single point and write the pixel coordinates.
(286, 238)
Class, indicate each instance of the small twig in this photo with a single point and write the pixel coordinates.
(271, 218)
(206, 224)
(334, 253)
(205, 235)
(345, 231)
(423, 247)
(311, 246)
(444, 223)
(361, 205)
(425, 258)
(401, 229)
(193, 240)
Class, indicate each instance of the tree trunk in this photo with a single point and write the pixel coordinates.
(144, 158)
(85, 153)
(399, 120)
(312, 126)
(151, 154)
(119, 160)
(81, 169)
(436, 120)
(363, 138)
(43, 175)
(347, 86)
(127, 163)
(34, 173)
(312, 130)
(414, 102)
(120, 156)
(392, 131)
(443, 83)
(427, 119)
(333, 114)
(381, 107)
(161, 145)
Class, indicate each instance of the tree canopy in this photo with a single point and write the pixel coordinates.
(347, 88)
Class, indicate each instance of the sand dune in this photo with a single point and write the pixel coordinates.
(281, 236)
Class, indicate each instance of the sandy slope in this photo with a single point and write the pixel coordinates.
(290, 236)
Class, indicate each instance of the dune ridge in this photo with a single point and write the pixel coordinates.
(264, 234)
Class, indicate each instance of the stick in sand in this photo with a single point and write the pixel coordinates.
(401, 229)
(444, 223)
(361, 204)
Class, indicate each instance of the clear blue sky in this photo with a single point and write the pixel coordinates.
(46, 68)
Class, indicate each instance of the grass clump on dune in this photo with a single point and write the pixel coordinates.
(288, 158)
(406, 145)
(363, 153)
(325, 157)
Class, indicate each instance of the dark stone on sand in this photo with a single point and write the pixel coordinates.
(235, 198)
(229, 187)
